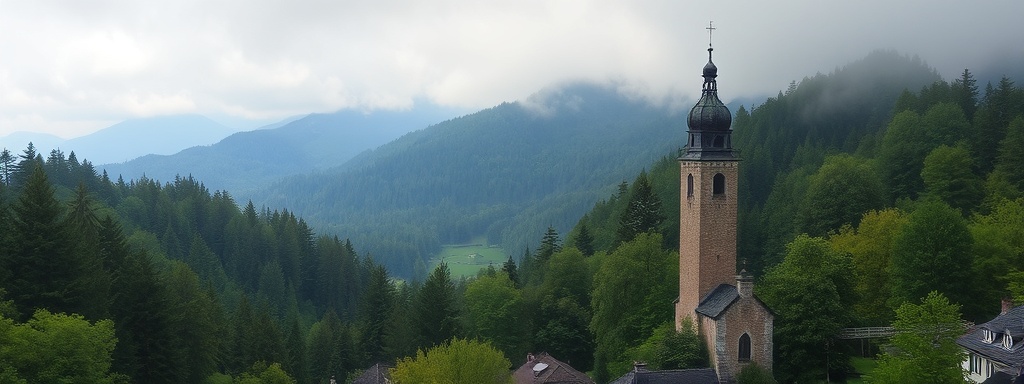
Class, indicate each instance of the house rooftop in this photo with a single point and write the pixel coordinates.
(999, 340)
(542, 368)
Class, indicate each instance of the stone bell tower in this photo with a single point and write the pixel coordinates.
(707, 214)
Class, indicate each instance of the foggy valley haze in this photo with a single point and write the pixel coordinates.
(69, 69)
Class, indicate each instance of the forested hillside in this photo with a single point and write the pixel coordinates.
(506, 172)
(916, 194)
(848, 214)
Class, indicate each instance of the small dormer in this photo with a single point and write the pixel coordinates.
(1011, 339)
(988, 336)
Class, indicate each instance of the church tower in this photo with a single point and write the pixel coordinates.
(707, 206)
(736, 326)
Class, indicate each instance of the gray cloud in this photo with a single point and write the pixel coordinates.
(71, 67)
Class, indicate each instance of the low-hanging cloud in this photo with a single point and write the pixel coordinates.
(69, 67)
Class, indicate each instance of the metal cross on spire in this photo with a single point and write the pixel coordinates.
(711, 28)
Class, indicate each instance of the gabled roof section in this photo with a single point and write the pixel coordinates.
(718, 300)
(671, 376)
(546, 369)
(1011, 323)
(377, 374)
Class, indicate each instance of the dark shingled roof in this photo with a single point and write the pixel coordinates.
(1013, 323)
(672, 376)
(716, 301)
(377, 374)
(555, 372)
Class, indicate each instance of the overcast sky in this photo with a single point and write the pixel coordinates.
(72, 67)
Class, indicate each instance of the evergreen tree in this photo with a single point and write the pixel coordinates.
(437, 309)
(85, 231)
(6, 166)
(1010, 163)
(43, 268)
(643, 212)
(511, 271)
(197, 322)
(584, 241)
(144, 324)
(377, 303)
(965, 93)
(549, 245)
(295, 344)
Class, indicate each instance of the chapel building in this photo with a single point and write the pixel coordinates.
(735, 325)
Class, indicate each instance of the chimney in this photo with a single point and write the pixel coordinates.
(1007, 305)
(639, 366)
(529, 357)
(745, 284)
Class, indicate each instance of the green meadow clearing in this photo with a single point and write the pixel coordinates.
(464, 260)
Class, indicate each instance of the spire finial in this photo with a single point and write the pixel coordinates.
(711, 28)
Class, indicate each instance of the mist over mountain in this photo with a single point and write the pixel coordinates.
(247, 160)
(501, 172)
(510, 171)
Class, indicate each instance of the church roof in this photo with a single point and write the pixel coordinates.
(718, 300)
(671, 376)
(542, 368)
(709, 114)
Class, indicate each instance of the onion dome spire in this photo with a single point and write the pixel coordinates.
(709, 120)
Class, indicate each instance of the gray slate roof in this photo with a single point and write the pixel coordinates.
(377, 374)
(671, 376)
(716, 301)
(1011, 322)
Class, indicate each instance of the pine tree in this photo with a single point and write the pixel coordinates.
(549, 245)
(511, 270)
(643, 212)
(965, 93)
(84, 228)
(42, 265)
(144, 323)
(437, 313)
(584, 240)
(377, 303)
(6, 166)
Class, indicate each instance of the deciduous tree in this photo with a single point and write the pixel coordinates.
(457, 361)
(924, 348)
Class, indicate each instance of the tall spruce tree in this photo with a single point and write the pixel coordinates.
(44, 270)
(437, 309)
(377, 303)
(583, 240)
(643, 212)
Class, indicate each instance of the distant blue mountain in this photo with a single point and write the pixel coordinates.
(245, 161)
(153, 135)
(18, 141)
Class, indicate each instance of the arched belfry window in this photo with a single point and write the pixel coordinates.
(718, 187)
(719, 142)
(744, 347)
(689, 185)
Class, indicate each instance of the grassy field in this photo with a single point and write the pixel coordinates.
(467, 259)
(863, 366)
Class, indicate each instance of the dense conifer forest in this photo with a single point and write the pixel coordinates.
(860, 201)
